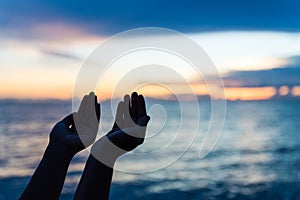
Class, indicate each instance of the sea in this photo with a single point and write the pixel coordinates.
(256, 155)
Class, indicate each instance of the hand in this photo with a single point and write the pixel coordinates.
(69, 136)
(129, 128)
(79, 129)
(128, 131)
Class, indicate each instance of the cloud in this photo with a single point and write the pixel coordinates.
(108, 17)
(60, 54)
(286, 75)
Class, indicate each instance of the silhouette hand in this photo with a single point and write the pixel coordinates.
(69, 136)
(78, 130)
(128, 131)
(129, 128)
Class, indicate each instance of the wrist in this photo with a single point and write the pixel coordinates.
(59, 151)
(106, 152)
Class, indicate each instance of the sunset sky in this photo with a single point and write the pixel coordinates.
(255, 45)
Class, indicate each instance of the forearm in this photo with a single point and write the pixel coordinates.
(95, 181)
(48, 179)
(96, 178)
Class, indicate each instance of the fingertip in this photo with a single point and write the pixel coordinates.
(126, 97)
(85, 97)
(120, 106)
(134, 94)
(92, 98)
(84, 101)
(141, 99)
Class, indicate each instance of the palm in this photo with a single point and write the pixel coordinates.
(78, 130)
(130, 124)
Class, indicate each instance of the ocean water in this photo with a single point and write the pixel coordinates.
(256, 157)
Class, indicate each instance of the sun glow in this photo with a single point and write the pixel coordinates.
(47, 66)
(261, 93)
(296, 91)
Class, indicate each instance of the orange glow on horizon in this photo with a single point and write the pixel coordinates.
(37, 93)
(151, 91)
(262, 93)
(65, 91)
(296, 91)
(155, 91)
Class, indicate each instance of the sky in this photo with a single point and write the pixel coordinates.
(255, 45)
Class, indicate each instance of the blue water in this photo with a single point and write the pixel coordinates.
(256, 157)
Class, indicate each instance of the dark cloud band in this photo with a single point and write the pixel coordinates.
(108, 17)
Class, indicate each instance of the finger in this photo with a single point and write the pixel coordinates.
(134, 105)
(96, 104)
(90, 111)
(127, 118)
(96, 100)
(126, 97)
(97, 108)
(141, 110)
(68, 120)
(119, 116)
(83, 104)
(98, 111)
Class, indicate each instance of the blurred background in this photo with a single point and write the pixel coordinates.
(255, 46)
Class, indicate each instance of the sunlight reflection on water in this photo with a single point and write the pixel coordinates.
(259, 148)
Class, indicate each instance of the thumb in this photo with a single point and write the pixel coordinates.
(143, 121)
(68, 120)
